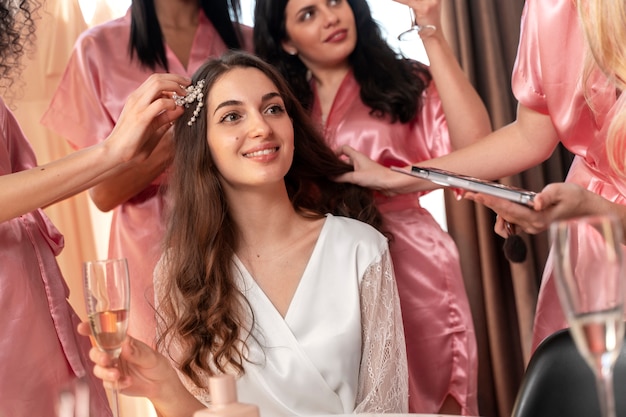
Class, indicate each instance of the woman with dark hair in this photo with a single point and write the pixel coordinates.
(267, 273)
(395, 110)
(40, 351)
(108, 62)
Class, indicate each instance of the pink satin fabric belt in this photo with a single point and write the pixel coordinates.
(397, 202)
(596, 181)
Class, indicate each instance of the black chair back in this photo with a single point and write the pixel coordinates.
(558, 382)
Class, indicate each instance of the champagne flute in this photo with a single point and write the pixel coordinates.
(416, 30)
(589, 272)
(107, 297)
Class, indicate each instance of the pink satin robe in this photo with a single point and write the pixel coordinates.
(40, 350)
(547, 79)
(84, 110)
(441, 345)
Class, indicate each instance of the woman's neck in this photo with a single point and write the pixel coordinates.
(177, 13)
(327, 83)
(330, 78)
(275, 245)
(179, 22)
(263, 217)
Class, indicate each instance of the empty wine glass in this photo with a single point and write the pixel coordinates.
(416, 31)
(589, 272)
(107, 297)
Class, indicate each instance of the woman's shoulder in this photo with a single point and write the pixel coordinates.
(349, 240)
(115, 29)
(103, 45)
(347, 228)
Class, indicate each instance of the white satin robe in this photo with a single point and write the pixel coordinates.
(340, 348)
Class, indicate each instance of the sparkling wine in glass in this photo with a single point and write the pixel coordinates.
(589, 272)
(416, 31)
(107, 297)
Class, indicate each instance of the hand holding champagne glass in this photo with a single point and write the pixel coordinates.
(589, 272)
(107, 297)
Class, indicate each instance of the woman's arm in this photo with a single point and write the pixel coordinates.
(383, 345)
(466, 114)
(138, 175)
(518, 146)
(147, 114)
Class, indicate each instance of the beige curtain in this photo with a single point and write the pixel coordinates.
(484, 34)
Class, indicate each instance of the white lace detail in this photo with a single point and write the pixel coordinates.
(383, 377)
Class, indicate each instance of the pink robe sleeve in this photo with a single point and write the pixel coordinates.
(548, 74)
(432, 125)
(527, 75)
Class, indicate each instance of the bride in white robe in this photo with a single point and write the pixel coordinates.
(272, 272)
(340, 347)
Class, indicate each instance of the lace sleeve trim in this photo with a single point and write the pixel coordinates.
(383, 376)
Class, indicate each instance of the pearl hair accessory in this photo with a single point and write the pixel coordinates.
(194, 93)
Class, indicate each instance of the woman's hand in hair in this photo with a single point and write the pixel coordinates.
(368, 173)
(148, 113)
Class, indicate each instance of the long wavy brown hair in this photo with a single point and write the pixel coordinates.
(202, 306)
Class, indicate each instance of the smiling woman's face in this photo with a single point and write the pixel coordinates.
(322, 32)
(249, 133)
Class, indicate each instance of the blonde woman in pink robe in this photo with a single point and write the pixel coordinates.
(395, 111)
(175, 36)
(563, 97)
(40, 351)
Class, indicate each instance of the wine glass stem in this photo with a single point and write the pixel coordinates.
(115, 401)
(606, 393)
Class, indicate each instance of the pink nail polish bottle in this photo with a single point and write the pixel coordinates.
(224, 400)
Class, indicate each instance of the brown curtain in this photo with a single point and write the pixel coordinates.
(484, 35)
